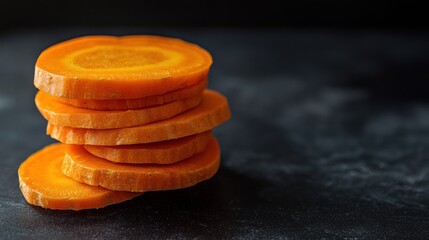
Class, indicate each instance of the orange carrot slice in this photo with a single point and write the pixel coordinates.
(87, 168)
(108, 67)
(166, 152)
(135, 103)
(43, 184)
(212, 111)
(65, 115)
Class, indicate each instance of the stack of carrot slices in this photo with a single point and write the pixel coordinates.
(132, 114)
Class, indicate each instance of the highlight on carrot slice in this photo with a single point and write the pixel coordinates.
(166, 152)
(82, 166)
(65, 115)
(109, 67)
(43, 184)
(135, 103)
(212, 111)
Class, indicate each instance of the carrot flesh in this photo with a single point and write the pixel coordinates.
(135, 103)
(108, 67)
(166, 152)
(43, 184)
(212, 111)
(65, 115)
(84, 167)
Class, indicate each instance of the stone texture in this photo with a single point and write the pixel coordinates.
(329, 139)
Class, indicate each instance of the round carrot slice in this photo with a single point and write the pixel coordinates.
(108, 67)
(166, 152)
(212, 111)
(66, 115)
(82, 166)
(43, 184)
(135, 103)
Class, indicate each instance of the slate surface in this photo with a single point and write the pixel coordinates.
(329, 139)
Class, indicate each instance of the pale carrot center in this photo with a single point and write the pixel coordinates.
(117, 57)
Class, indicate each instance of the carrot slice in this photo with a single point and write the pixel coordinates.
(43, 184)
(84, 167)
(166, 152)
(65, 115)
(135, 103)
(212, 111)
(108, 67)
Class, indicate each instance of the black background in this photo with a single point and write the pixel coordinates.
(330, 130)
(403, 15)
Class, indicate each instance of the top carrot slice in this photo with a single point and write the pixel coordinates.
(108, 67)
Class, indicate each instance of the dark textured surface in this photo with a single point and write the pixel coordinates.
(329, 139)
